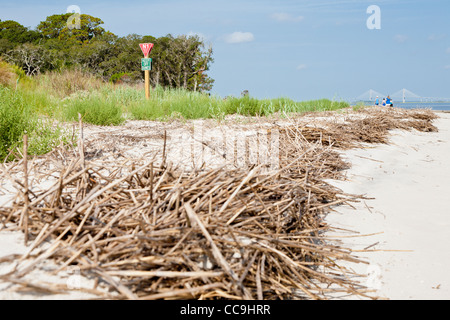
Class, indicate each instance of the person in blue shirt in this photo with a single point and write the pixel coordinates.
(388, 101)
(377, 102)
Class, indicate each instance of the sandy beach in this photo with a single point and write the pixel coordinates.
(409, 183)
(401, 230)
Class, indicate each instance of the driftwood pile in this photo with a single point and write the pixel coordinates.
(372, 127)
(151, 231)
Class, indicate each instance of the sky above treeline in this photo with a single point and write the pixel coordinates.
(298, 49)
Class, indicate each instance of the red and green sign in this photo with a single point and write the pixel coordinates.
(146, 48)
(146, 64)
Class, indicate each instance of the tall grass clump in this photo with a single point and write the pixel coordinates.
(322, 105)
(97, 108)
(14, 121)
(265, 107)
(44, 93)
(17, 119)
(244, 106)
(168, 103)
(40, 102)
(68, 82)
(6, 74)
(45, 137)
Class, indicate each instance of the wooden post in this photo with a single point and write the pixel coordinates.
(147, 84)
(81, 140)
(26, 199)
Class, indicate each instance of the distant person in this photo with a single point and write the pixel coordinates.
(377, 101)
(384, 102)
(388, 101)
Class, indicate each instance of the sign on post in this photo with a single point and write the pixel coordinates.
(146, 48)
(146, 64)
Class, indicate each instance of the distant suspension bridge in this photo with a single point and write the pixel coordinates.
(403, 95)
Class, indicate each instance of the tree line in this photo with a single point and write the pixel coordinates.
(55, 45)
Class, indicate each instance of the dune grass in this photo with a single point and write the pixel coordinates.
(64, 95)
(26, 102)
(194, 105)
(18, 119)
(68, 82)
(14, 121)
(96, 108)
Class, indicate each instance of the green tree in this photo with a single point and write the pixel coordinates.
(33, 59)
(92, 56)
(182, 62)
(126, 56)
(178, 62)
(59, 26)
(13, 33)
(5, 46)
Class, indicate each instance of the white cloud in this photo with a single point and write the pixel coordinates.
(301, 67)
(401, 38)
(239, 37)
(286, 17)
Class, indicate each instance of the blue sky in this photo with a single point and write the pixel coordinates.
(298, 49)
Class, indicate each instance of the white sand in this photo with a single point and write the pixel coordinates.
(410, 181)
(12, 243)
